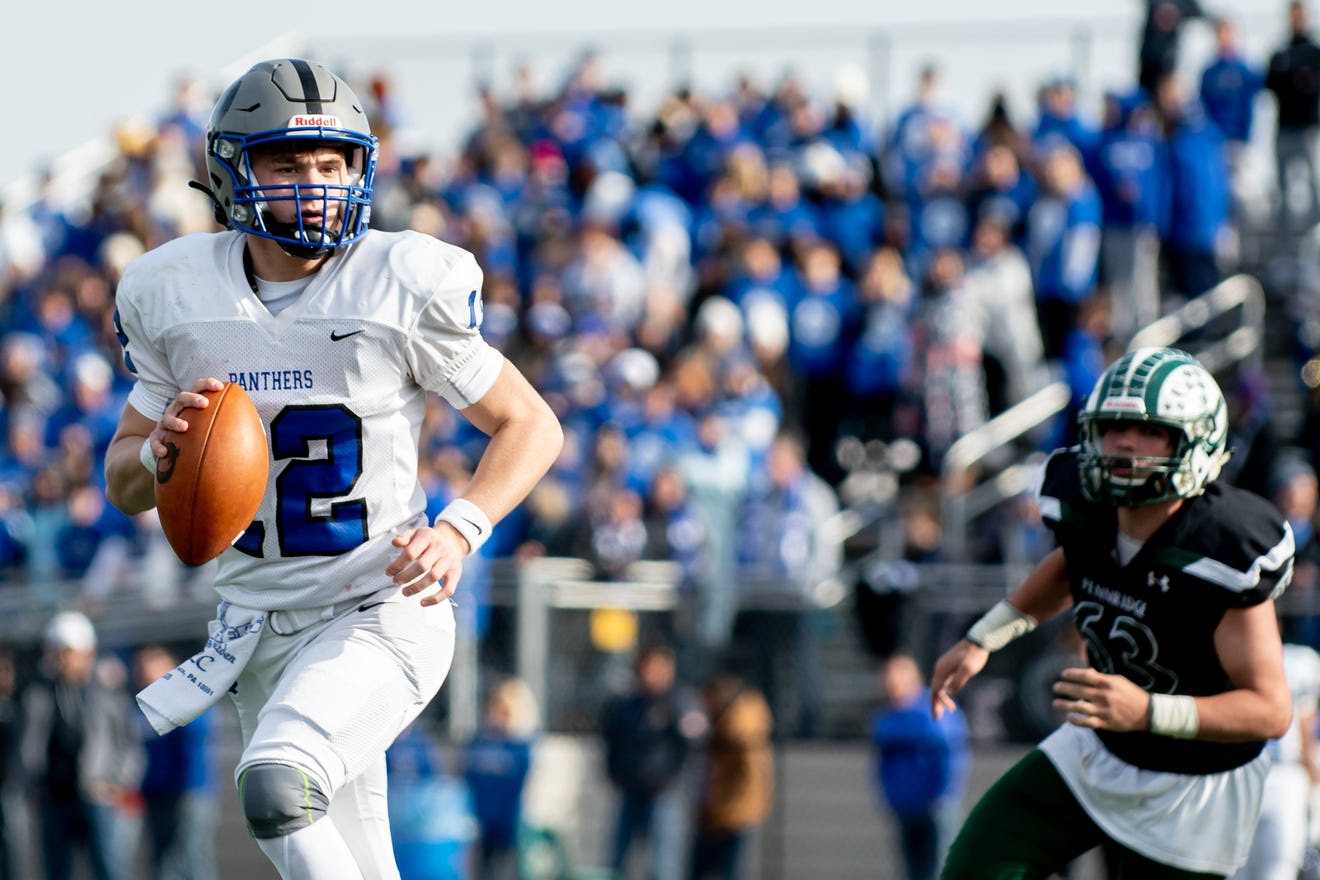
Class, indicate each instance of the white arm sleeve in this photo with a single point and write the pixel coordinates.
(448, 354)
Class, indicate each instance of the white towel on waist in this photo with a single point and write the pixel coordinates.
(196, 684)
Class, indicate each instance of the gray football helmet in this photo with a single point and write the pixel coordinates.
(289, 99)
(1163, 386)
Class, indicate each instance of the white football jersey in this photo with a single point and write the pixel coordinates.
(1301, 667)
(340, 379)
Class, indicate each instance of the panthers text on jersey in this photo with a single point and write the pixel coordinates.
(340, 379)
(1153, 620)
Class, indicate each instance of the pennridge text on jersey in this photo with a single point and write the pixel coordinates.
(1122, 601)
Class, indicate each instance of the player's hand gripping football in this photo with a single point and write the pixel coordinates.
(1101, 702)
(952, 671)
(428, 556)
(171, 422)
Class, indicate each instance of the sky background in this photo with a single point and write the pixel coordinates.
(77, 69)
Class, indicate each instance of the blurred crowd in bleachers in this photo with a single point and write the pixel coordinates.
(739, 302)
(751, 309)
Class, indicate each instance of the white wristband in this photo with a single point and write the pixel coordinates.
(470, 521)
(146, 456)
(999, 626)
(1174, 715)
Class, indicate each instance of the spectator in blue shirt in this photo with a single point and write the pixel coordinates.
(939, 218)
(851, 215)
(1059, 118)
(882, 354)
(916, 137)
(705, 153)
(178, 786)
(1198, 191)
(920, 766)
(821, 323)
(1063, 244)
(1229, 86)
(496, 763)
(1000, 186)
(785, 217)
(1132, 183)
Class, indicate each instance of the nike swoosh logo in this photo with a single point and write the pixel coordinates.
(474, 525)
(335, 337)
(369, 605)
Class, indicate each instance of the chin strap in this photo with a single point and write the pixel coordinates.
(289, 231)
(220, 216)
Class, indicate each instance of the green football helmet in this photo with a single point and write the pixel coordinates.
(1162, 386)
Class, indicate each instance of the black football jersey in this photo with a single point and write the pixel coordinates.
(1153, 620)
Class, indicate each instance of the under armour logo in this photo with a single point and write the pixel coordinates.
(1162, 581)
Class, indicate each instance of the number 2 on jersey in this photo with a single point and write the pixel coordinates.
(324, 447)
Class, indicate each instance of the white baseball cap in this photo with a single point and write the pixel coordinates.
(71, 629)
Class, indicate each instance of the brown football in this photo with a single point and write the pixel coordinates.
(209, 486)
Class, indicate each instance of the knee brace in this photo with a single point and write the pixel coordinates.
(278, 800)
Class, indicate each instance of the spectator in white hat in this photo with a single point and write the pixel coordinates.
(77, 756)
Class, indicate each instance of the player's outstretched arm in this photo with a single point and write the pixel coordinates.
(129, 484)
(1040, 597)
(953, 670)
(525, 439)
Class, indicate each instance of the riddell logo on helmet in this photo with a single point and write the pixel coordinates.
(314, 122)
(1124, 404)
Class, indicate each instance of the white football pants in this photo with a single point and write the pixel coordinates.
(327, 691)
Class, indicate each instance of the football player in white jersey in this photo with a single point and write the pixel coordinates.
(1170, 576)
(1278, 851)
(335, 627)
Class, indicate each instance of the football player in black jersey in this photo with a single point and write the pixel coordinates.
(1171, 579)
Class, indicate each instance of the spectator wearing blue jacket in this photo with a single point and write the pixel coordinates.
(706, 152)
(882, 354)
(1063, 243)
(939, 218)
(1198, 191)
(920, 766)
(178, 787)
(822, 320)
(1131, 180)
(1059, 118)
(1229, 86)
(496, 765)
(852, 216)
(1002, 188)
(925, 130)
